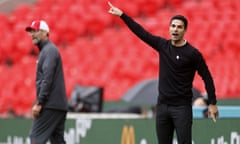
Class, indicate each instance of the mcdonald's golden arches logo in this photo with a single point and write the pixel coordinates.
(128, 135)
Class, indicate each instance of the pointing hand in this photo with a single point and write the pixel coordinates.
(114, 10)
(213, 112)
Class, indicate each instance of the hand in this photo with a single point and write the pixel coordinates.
(36, 109)
(114, 10)
(213, 112)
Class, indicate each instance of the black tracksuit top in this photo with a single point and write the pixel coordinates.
(50, 83)
(177, 67)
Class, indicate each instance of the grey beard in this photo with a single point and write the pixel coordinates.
(36, 41)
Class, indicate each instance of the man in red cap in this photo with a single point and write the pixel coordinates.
(50, 109)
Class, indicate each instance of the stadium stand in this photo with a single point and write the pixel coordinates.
(99, 50)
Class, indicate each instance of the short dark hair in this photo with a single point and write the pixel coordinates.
(182, 18)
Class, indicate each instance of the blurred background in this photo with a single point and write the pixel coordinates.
(98, 49)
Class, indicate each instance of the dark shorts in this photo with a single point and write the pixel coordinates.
(170, 118)
(49, 126)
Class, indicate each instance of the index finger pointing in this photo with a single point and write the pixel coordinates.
(213, 118)
(110, 4)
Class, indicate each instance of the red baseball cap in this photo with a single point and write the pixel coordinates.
(38, 25)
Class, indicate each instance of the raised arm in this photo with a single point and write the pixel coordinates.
(136, 28)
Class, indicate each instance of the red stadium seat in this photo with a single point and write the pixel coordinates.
(101, 50)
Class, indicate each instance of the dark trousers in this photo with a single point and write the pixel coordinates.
(49, 126)
(170, 118)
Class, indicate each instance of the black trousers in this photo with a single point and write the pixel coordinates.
(170, 118)
(49, 126)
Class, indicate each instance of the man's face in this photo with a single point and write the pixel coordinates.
(37, 36)
(177, 30)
